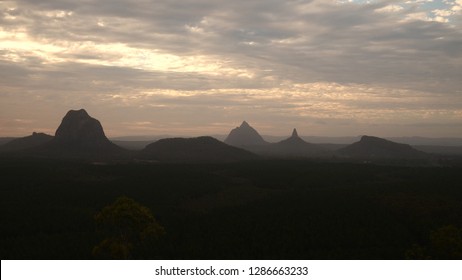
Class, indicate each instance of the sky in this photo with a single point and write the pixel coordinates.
(201, 67)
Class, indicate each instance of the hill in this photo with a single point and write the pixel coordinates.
(374, 147)
(18, 144)
(200, 149)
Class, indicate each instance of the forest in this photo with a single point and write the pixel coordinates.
(258, 209)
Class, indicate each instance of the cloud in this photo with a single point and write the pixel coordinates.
(253, 58)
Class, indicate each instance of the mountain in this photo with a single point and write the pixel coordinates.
(132, 145)
(34, 140)
(80, 135)
(294, 146)
(374, 147)
(426, 141)
(200, 149)
(79, 130)
(244, 135)
(4, 140)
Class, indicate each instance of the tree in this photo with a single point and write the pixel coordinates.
(124, 225)
(444, 243)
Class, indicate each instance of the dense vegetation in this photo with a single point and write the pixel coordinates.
(248, 210)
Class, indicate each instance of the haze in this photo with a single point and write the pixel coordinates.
(332, 68)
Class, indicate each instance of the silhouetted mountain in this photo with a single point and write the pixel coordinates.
(440, 150)
(132, 145)
(80, 135)
(426, 141)
(18, 144)
(294, 146)
(374, 147)
(4, 140)
(244, 135)
(200, 149)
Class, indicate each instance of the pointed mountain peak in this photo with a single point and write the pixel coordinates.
(244, 135)
(244, 124)
(294, 133)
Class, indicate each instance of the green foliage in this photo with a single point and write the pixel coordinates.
(417, 252)
(113, 248)
(125, 224)
(444, 243)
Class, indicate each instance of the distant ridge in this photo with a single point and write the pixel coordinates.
(18, 144)
(244, 135)
(4, 140)
(375, 147)
(81, 136)
(199, 149)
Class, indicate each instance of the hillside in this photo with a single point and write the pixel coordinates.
(200, 149)
(294, 146)
(23, 143)
(374, 147)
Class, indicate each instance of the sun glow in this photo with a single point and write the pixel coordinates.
(19, 45)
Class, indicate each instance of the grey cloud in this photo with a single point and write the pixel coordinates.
(299, 41)
(349, 43)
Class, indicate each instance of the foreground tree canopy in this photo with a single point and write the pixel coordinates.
(125, 225)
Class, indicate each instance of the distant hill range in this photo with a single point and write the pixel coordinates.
(248, 138)
(23, 143)
(78, 136)
(199, 149)
(370, 147)
(81, 136)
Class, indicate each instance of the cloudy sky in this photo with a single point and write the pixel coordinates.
(194, 67)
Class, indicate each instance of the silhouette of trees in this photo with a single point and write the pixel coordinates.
(445, 243)
(125, 225)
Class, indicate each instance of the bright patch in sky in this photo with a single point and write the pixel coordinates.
(382, 67)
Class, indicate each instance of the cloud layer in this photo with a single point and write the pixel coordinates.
(193, 67)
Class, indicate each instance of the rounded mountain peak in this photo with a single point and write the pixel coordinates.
(244, 124)
(78, 126)
(372, 139)
(77, 114)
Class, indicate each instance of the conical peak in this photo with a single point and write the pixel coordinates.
(244, 135)
(294, 133)
(245, 124)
